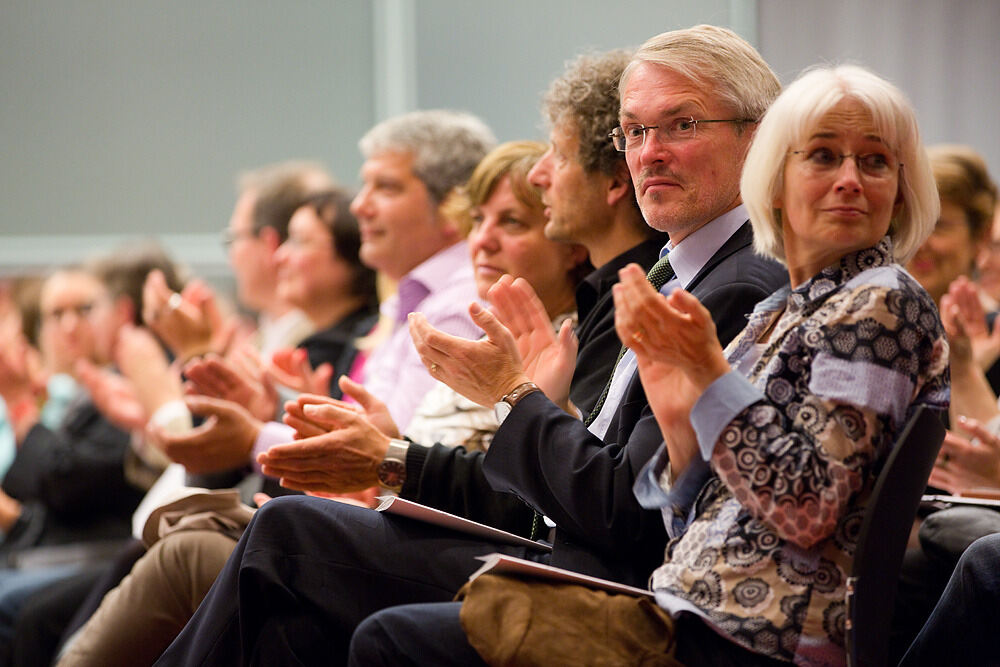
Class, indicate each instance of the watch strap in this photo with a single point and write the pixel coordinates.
(519, 392)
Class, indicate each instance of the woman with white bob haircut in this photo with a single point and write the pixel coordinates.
(771, 447)
(781, 435)
(788, 125)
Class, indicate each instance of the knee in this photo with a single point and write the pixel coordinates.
(977, 566)
(370, 642)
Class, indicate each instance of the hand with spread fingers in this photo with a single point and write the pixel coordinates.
(341, 460)
(22, 383)
(223, 442)
(188, 322)
(549, 359)
(141, 359)
(677, 353)
(114, 395)
(484, 370)
(963, 298)
(971, 393)
(318, 422)
(290, 367)
(967, 463)
(227, 379)
(21, 376)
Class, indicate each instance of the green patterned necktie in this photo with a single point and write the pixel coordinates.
(658, 276)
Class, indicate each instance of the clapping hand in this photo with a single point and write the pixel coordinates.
(549, 359)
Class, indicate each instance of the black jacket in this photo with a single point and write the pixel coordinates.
(581, 482)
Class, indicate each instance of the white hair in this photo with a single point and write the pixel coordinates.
(796, 113)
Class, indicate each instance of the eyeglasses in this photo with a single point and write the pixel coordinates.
(229, 237)
(629, 137)
(823, 161)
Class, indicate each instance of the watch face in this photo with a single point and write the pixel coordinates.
(392, 473)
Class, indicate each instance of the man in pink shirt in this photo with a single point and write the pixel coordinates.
(412, 163)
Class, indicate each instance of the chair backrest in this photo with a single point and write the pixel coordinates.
(871, 588)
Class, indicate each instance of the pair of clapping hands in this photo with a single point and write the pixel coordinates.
(674, 340)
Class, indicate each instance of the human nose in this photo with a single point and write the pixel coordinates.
(281, 254)
(848, 174)
(538, 175)
(484, 237)
(361, 204)
(653, 147)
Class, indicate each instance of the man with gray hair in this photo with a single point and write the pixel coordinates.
(412, 164)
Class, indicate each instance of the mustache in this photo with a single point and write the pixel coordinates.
(658, 172)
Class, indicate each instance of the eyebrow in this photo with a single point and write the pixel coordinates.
(834, 135)
(673, 111)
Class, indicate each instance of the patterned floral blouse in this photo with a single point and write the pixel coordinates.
(763, 529)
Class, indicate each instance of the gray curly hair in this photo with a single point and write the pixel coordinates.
(586, 96)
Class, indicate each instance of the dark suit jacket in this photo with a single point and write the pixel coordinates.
(584, 484)
(595, 306)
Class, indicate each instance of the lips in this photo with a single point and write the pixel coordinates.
(852, 211)
(489, 271)
(368, 234)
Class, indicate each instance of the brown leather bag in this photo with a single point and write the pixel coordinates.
(525, 622)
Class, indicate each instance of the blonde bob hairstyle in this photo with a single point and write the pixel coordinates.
(788, 124)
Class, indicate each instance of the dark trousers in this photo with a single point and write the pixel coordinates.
(431, 634)
(307, 571)
(962, 629)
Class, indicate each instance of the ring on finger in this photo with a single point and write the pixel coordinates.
(945, 458)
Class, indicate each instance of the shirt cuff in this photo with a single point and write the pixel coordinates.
(675, 501)
(271, 433)
(725, 398)
(173, 417)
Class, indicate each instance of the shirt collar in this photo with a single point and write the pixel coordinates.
(689, 256)
(435, 271)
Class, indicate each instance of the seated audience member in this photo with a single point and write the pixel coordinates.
(966, 460)
(772, 446)
(18, 319)
(579, 479)
(79, 482)
(136, 621)
(413, 162)
(589, 199)
(961, 629)
(320, 273)
(267, 197)
(508, 238)
(968, 198)
(70, 479)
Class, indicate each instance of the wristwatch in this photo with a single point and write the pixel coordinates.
(503, 407)
(391, 470)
